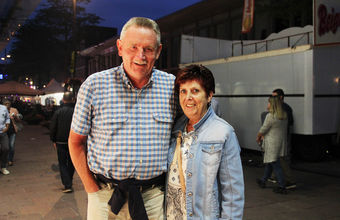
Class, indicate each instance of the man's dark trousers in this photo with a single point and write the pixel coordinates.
(65, 165)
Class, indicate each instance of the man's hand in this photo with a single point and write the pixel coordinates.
(78, 151)
(55, 145)
(5, 128)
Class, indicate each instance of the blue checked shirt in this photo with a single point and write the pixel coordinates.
(4, 117)
(128, 129)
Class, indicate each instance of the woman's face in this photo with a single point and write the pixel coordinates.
(193, 100)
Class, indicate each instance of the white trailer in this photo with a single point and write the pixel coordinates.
(309, 76)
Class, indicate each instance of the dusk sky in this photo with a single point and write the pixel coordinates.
(117, 12)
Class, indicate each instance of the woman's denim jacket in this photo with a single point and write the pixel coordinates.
(214, 176)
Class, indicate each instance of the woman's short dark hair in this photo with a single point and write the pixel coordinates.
(199, 73)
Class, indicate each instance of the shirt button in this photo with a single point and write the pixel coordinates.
(189, 174)
(190, 194)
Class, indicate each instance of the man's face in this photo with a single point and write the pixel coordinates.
(139, 51)
(275, 94)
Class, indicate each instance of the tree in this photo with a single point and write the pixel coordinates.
(44, 44)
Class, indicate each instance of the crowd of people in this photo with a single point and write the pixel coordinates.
(150, 145)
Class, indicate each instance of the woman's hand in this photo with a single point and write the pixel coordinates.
(259, 138)
(12, 116)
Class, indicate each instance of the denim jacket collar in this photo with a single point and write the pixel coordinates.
(199, 124)
(182, 121)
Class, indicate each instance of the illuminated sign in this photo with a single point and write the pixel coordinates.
(326, 22)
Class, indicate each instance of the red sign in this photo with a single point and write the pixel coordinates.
(248, 16)
(326, 22)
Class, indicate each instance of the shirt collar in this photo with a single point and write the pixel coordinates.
(128, 82)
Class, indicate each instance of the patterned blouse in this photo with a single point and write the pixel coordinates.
(176, 208)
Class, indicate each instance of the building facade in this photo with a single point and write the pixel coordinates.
(219, 19)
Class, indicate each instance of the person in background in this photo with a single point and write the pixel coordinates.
(59, 133)
(205, 177)
(13, 129)
(286, 154)
(4, 146)
(273, 137)
(121, 128)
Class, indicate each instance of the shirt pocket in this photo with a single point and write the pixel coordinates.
(162, 118)
(113, 124)
(162, 124)
(211, 154)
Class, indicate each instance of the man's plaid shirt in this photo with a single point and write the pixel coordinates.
(128, 129)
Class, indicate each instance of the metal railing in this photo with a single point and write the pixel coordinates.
(266, 45)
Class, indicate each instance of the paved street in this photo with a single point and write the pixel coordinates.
(33, 189)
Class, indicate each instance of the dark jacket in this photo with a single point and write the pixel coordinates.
(61, 123)
(289, 112)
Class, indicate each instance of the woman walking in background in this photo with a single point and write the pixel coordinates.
(273, 135)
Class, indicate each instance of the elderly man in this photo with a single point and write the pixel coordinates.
(121, 129)
(4, 147)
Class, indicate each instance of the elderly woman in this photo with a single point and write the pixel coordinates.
(205, 178)
(273, 135)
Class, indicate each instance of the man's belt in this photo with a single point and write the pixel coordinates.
(134, 188)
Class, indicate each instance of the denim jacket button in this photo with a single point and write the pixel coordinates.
(189, 174)
(190, 214)
(190, 194)
(191, 156)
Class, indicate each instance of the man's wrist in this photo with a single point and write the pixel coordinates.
(91, 188)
